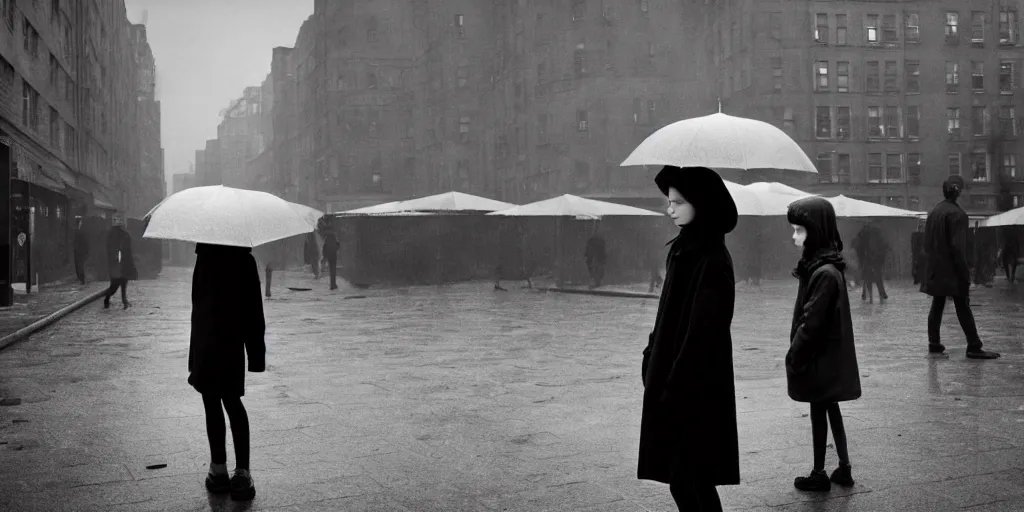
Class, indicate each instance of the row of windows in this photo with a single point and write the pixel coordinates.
(883, 168)
(61, 134)
(883, 29)
(892, 122)
(974, 201)
(883, 76)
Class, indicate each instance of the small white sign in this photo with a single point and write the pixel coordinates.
(21, 239)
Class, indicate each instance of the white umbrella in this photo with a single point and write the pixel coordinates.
(1014, 217)
(452, 202)
(723, 142)
(308, 214)
(226, 216)
(849, 207)
(775, 187)
(569, 205)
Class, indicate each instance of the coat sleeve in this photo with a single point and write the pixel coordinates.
(956, 233)
(255, 346)
(712, 302)
(822, 291)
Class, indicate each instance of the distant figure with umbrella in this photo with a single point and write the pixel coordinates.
(595, 256)
(947, 273)
(81, 250)
(120, 261)
(688, 431)
(330, 248)
(227, 325)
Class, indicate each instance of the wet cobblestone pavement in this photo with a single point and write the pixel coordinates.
(461, 398)
(29, 307)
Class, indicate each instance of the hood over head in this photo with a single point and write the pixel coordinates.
(714, 209)
(823, 244)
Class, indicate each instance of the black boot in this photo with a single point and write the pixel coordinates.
(817, 481)
(842, 476)
(106, 302)
(936, 348)
(978, 353)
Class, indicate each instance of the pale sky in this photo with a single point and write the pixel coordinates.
(207, 52)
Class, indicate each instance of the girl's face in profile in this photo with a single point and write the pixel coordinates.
(679, 208)
(799, 235)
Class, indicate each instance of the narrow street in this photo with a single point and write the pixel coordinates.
(461, 398)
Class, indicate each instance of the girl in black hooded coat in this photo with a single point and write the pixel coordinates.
(821, 365)
(688, 433)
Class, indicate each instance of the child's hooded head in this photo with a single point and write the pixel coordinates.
(814, 223)
(698, 199)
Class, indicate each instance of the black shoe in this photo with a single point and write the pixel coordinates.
(106, 303)
(842, 476)
(817, 481)
(127, 305)
(218, 484)
(936, 348)
(977, 353)
(242, 486)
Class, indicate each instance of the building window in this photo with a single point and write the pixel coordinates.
(912, 33)
(788, 121)
(579, 9)
(464, 129)
(823, 122)
(581, 120)
(891, 75)
(1008, 27)
(914, 168)
(26, 105)
(894, 201)
(954, 164)
(825, 167)
(821, 73)
(8, 6)
(55, 123)
(843, 123)
(1007, 121)
(843, 167)
(876, 166)
(6, 72)
(913, 121)
(1010, 167)
(841, 30)
(873, 78)
(952, 25)
(889, 28)
(979, 166)
(912, 70)
(821, 28)
(842, 76)
(579, 65)
(777, 74)
(893, 168)
(979, 121)
(952, 77)
(1007, 77)
(461, 76)
(953, 120)
(775, 25)
(978, 27)
(460, 26)
(978, 76)
(892, 122)
(644, 6)
(30, 39)
(54, 71)
(875, 127)
(871, 28)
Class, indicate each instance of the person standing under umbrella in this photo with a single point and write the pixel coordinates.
(227, 325)
(947, 273)
(120, 261)
(81, 250)
(331, 246)
(688, 431)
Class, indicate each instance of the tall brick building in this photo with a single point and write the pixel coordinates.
(70, 113)
(889, 98)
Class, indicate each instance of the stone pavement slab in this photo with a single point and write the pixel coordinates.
(41, 302)
(462, 398)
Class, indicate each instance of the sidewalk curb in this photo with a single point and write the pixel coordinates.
(603, 293)
(44, 322)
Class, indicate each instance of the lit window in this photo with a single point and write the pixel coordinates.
(912, 33)
(871, 28)
(821, 70)
(952, 24)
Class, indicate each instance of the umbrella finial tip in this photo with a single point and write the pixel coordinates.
(719, 104)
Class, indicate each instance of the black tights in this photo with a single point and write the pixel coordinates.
(216, 431)
(116, 283)
(697, 498)
(821, 416)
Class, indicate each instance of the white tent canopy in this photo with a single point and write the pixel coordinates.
(763, 199)
(848, 207)
(1014, 217)
(446, 202)
(775, 187)
(569, 205)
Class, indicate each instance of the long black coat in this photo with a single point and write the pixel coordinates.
(821, 365)
(947, 273)
(227, 320)
(688, 430)
(119, 241)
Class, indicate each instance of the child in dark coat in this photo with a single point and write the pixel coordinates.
(821, 366)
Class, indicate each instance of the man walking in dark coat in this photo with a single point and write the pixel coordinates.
(120, 261)
(946, 270)
(81, 251)
(331, 246)
(1009, 256)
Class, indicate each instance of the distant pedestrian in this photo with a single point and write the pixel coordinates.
(1010, 254)
(81, 249)
(821, 365)
(872, 251)
(331, 246)
(947, 273)
(595, 257)
(311, 255)
(688, 432)
(654, 261)
(120, 261)
(227, 325)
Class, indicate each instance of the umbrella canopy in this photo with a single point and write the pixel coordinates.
(723, 142)
(848, 207)
(775, 187)
(453, 202)
(308, 214)
(760, 201)
(1014, 217)
(574, 206)
(227, 216)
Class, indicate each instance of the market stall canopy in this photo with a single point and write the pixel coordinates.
(446, 202)
(849, 207)
(377, 208)
(720, 141)
(1014, 217)
(775, 187)
(569, 205)
(760, 201)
